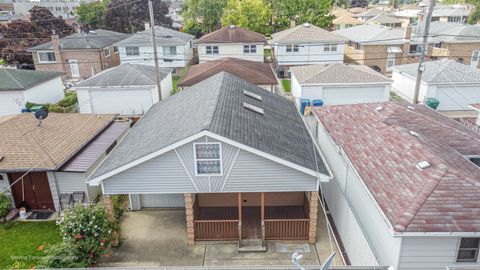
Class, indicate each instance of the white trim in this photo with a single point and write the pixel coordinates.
(74, 62)
(230, 170)
(96, 181)
(185, 168)
(46, 62)
(106, 50)
(352, 84)
(214, 159)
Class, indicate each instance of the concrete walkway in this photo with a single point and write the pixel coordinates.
(158, 238)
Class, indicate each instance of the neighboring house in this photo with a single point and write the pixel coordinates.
(408, 16)
(345, 21)
(377, 46)
(128, 89)
(260, 74)
(174, 49)
(406, 190)
(231, 41)
(453, 14)
(306, 44)
(59, 8)
(80, 55)
(367, 15)
(457, 41)
(454, 84)
(339, 84)
(386, 20)
(226, 151)
(19, 86)
(54, 157)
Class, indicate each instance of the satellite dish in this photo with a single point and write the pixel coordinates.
(40, 115)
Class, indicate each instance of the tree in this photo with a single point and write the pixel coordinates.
(250, 14)
(129, 17)
(17, 37)
(300, 11)
(91, 13)
(42, 18)
(203, 15)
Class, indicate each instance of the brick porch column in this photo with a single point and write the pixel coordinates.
(312, 233)
(189, 218)
(108, 204)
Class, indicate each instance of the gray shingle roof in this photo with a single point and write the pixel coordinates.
(125, 75)
(337, 73)
(384, 19)
(455, 32)
(163, 36)
(372, 34)
(215, 104)
(443, 71)
(95, 39)
(20, 79)
(306, 33)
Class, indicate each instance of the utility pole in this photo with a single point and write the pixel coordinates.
(428, 19)
(154, 43)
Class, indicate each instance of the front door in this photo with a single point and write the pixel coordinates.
(74, 68)
(33, 190)
(251, 216)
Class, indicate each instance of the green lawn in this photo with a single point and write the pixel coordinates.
(267, 53)
(286, 85)
(25, 240)
(175, 79)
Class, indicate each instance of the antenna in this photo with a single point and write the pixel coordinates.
(40, 115)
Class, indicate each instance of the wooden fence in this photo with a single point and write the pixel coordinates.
(290, 229)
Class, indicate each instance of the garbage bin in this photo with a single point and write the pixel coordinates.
(317, 103)
(433, 103)
(304, 103)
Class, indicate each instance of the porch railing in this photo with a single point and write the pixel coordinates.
(216, 229)
(292, 229)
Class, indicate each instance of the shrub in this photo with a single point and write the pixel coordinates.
(62, 255)
(5, 205)
(87, 228)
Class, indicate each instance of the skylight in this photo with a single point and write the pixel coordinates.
(253, 108)
(252, 95)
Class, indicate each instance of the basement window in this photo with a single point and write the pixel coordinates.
(468, 250)
(208, 159)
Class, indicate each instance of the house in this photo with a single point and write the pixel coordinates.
(339, 83)
(174, 48)
(409, 16)
(345, 21)
(377, 46)
(368, 14)
(64, 9)
(128, 89)
(385, 20)
(406, 190)
(451, 13)
(231, 41)
(453, 84)
(80, 55)
(456, 41)
(44, 165)
(260, 74)
(237, 158)
(19, 86)
(306, 44)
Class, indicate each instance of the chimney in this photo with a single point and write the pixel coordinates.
(56, 50)
(292, 23)
(147, 25)
(407, 34)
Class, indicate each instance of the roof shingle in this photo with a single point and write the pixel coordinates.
(306, 33)
(233, 34)
(21, 79)
(337, 73)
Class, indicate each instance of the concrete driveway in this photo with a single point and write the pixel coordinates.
(158, 238)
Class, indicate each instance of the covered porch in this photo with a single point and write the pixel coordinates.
(251, 216)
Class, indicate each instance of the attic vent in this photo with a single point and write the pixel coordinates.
(413, 133)
(252, 95)
(253, 108)
(423, 165)
(379, 108)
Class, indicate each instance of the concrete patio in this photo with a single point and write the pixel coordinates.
(158, 238)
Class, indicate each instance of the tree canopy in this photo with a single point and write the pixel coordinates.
(300, 11)
(252, 14)
(129, 17)
(203, 16)
(91, 13)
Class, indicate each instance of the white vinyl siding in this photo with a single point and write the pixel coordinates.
(307, 54)
(132, 51)
(209, 52)
(144, 55)
(162, 200)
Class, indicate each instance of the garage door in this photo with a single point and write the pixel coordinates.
(457, 98)
(162, 200)
(353, 95)
(124, 102)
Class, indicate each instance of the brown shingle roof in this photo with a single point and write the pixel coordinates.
(25, 145)
(232, 34)
(253, 72)
(306, 33)
(442, 198)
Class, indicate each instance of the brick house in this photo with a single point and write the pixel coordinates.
(80, 55)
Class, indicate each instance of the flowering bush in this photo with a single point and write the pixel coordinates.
(87, 228)
(62, 255)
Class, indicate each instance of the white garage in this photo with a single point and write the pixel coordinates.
(453, 84)
(128, 89)
(336, 84)
(142, 201)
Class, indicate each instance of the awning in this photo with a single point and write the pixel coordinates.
(394, 49)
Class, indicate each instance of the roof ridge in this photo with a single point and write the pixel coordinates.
(217, 99)
(148, 79)
(13, 78)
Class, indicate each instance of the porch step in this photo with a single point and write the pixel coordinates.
(252, 245)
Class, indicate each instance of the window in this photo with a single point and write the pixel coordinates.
(115, 49)
(292, 48)
(211, 49)
(46, 57)
(468, 250)
(330, 48)
(348, 25)
(169, 50)
(106, 52)
(414, 49)
(208, 159)
(1, 177)
(475, 58)
(132, 51)
(74, 68)
(390, 60)
(249, 48)
(358, 46)
(58, 8)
